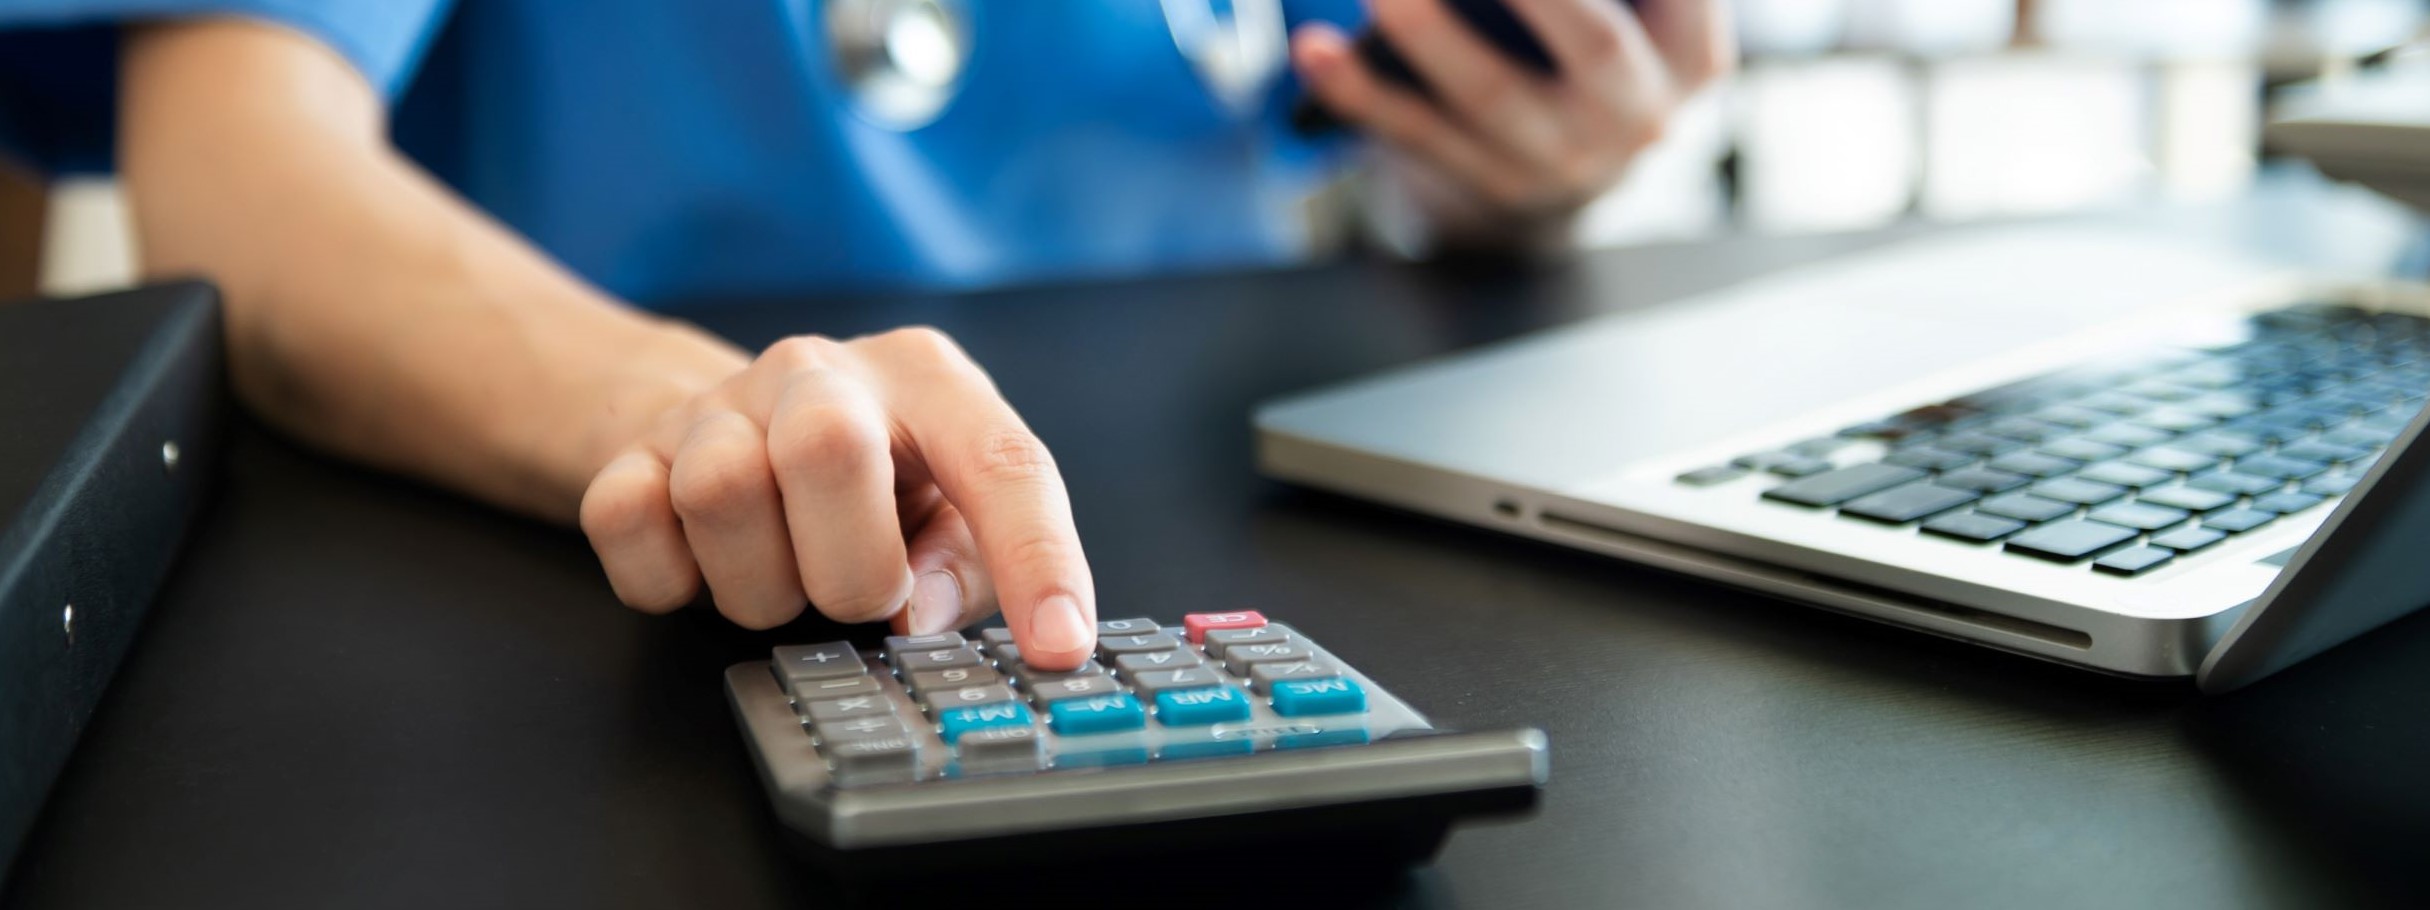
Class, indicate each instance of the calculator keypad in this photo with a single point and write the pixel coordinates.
(1221, 684)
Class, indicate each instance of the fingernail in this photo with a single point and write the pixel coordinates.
(936, 601)
(1057, 626)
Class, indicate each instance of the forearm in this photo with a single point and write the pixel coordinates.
(369, 310)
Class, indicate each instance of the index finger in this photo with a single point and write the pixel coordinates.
(1004, 482)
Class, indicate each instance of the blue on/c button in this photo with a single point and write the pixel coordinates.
(953, 722)
(1199, 707)
(1098, 714)
(1305, 697)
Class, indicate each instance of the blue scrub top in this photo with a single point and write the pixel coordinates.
(671, 150)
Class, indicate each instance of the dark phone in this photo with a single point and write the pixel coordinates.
(1490, 18)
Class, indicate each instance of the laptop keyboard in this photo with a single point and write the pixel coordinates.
(2127, 464)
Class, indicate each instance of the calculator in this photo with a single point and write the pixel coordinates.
(1223, 726)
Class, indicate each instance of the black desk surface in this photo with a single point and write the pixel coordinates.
(357, 692)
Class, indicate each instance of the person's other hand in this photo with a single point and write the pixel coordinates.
(1513, 142)
(877, 478)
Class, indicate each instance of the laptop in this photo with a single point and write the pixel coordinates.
(2099, 447)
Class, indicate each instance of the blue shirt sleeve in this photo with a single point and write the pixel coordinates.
(59, 61)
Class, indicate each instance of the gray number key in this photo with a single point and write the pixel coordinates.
(1136, 644)
(1238, 657)
(1135, 664)
(947, 699)
(849, 708)
(996, 749)
(836, 731)
(897, 644)
(1262, 677)
(1196, 677)
(937, 659)
(806, 691)
(1049, 691)
(874, 760)
(1032, 677)
(1115, 628)
(998, 637)
(1219, 639)
(835, 658)
(954, 678)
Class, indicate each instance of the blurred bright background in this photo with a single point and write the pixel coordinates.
(1851, 114)
(1854, 114)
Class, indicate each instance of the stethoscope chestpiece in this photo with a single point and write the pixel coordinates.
(902, 60)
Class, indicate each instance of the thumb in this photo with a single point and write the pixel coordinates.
(950, 586)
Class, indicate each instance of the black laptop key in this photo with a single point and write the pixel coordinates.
(2135, 561)
(2175, 420)
(1785, 464)
(2359, 436)
(2022, 429)
(1977, 444)
(2234, 483)
(2277, 468)
(2120, 473)
(2217, 445)
(2128, 435)
(2081, 449)
(1981, 480)
(2026, 507)
(1821, 447)
(2190, 499)
(2073, 417)
(1899, 505)
(2114, 403)
(2238, 521)
(2286, 503)
(2320, 450)
(2080, 492)
(2331, 484)
(1831, 488)
(1800, 466)
(2033, 464)
(2137, 515)
(1708, 476)
(2189, 539)
(2170, 458)
(1973, 527)
(2069, 541)
(1927, 458)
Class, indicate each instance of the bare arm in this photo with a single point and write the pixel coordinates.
(370, 311)
(373, 313)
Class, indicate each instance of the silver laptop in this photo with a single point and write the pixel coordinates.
(2092, 446)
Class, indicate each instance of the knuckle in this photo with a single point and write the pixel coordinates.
(1494, 91)
(759, 617)
(1012, 455)
(1598, 44)
(615, 508)
(1042, 552)
(858, 600)
(662, 598)
(826, 437)
(802, 353)
(926, 345)
(711, 485)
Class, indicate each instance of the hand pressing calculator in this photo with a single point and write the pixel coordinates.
(1222, 727)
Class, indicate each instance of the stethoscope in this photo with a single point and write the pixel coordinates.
(903, 60)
